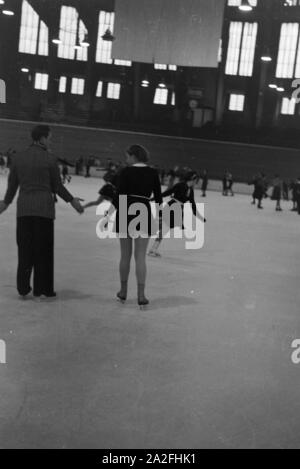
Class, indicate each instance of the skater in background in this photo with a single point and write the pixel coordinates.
(78, 166)
(277, 192)
(10, 154)
(293, 188)
(108, 192)
(227, 184)
(88, 165)
(229, 179)
(182, 192)
(66, 178)
(171, 178)
(297, 194)
(204, 183)
(259, 183)
(285, 190)
(138, 182)
(2, 164)
(224, 184)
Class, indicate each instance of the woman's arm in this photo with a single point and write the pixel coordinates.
(95, 203)
(194, 207)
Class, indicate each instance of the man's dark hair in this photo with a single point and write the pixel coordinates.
(39, 132)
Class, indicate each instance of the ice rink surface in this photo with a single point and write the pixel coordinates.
(207, 366)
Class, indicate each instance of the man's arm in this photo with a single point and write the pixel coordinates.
(12, 187)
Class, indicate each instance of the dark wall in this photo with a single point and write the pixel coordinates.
(243, 160)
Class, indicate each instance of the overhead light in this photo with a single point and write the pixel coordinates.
(56, 41)
(145, 83)
(108, 36)
(25, 70)
(273, 86)
(8, 12)
(266, 58)
(244, 6)
(2, 2)
(266, 55)
(280, 89)
(85, 42)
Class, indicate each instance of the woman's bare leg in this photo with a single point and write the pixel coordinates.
(140, 250)
(126, 254)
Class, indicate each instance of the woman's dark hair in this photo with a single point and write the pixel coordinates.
(39, 132)
(140, 153)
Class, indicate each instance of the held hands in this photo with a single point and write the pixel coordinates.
(3, 206)
(77, 205)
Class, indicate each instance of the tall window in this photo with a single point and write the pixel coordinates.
(236, 102)
(288, 60)
(34, 34)
(41, 81)
(161, 96)
(62, 84)
(106, 21)
(71, 32)
(77, 86)
(288, 106)
(103, 53)
(113, 90)
(241, 48)
(99, 89)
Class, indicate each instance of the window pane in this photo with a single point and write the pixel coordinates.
(234, 44)
(106, 21)
(62, 84)
(82, 53)
(29, 29)
(99, 89)
(113, 90)
(288, 106)
(237, 3)
(77, 86)
(161, 96)
(41, 81)
(248, 49)
(287, 50)
(125, 63)
(68, 32)
(43, 39)
(236, 102)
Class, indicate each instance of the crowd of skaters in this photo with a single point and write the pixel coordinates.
(280, 189)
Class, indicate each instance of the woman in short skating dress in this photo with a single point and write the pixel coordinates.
(138, 182)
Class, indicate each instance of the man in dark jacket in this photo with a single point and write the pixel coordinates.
(36, 173)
